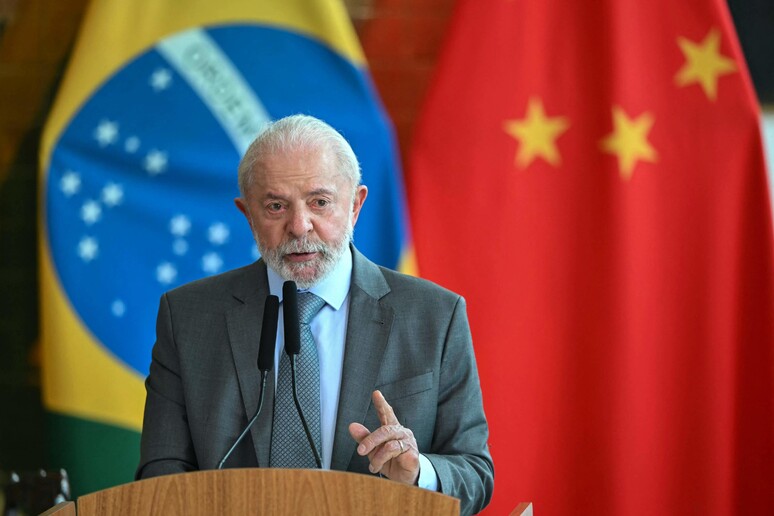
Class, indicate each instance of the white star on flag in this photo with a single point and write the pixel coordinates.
(218, 233)
(179, 225)
(106, 132)
(166, 273)
(211, 263)
(91, 212)
(70, 183)
(118, 308)
(160, 79)
(132, 144)
(88, 249)
(155, 162)
(179, 247)
(112, 195)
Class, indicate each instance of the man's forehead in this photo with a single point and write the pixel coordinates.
(305, 172)
(306, 183)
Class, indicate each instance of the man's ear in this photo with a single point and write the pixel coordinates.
(242, 206)
(361, 192)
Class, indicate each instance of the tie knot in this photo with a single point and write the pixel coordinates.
(308, 306)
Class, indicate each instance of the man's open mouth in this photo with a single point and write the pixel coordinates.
(300, 257)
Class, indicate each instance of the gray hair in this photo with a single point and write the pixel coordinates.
(293, 132)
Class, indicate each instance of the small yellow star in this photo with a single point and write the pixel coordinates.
(629, 141)
(704, 63)
(536, 134)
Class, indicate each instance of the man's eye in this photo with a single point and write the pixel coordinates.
(321, 203)
(275, 206)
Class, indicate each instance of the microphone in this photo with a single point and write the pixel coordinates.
(293, 348)
(265, 362)
(268, 336)
(292, 324)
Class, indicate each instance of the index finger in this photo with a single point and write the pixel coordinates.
(384, 410)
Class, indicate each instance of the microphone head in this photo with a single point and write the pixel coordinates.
(268, 334)
(290, 314)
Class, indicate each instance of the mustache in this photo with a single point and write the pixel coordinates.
(302, 245)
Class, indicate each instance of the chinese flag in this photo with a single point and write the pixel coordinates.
(590, 176)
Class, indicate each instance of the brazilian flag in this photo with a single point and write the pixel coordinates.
(138, 175)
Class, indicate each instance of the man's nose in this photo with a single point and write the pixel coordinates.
(300, 222)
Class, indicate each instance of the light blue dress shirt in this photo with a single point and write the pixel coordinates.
(329, 328)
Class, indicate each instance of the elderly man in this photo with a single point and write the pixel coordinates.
(380, 337)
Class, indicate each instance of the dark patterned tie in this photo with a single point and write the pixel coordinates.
(289, 445)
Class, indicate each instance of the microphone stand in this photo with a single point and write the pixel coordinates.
(265, 362)
(250, 424)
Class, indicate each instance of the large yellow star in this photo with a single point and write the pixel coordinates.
(536, 134)
(703, 63)
(629, 141)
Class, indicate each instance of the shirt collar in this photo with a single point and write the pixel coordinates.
(333, 289)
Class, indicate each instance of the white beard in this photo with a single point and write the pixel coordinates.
(327, 259)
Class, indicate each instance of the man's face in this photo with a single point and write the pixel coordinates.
(302, 213)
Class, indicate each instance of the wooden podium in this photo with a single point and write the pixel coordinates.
(262, 491)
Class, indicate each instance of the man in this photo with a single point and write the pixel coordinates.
(380, 336)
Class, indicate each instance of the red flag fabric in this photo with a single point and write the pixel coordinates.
(590, 176)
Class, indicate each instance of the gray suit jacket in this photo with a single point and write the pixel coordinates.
(406, 337)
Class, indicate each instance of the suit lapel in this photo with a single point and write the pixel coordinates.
(368, 330)
(244, 330)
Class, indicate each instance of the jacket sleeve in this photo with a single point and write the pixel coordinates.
(166, 446)
(460, 453)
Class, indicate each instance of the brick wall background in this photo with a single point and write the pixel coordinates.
(401, 40)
